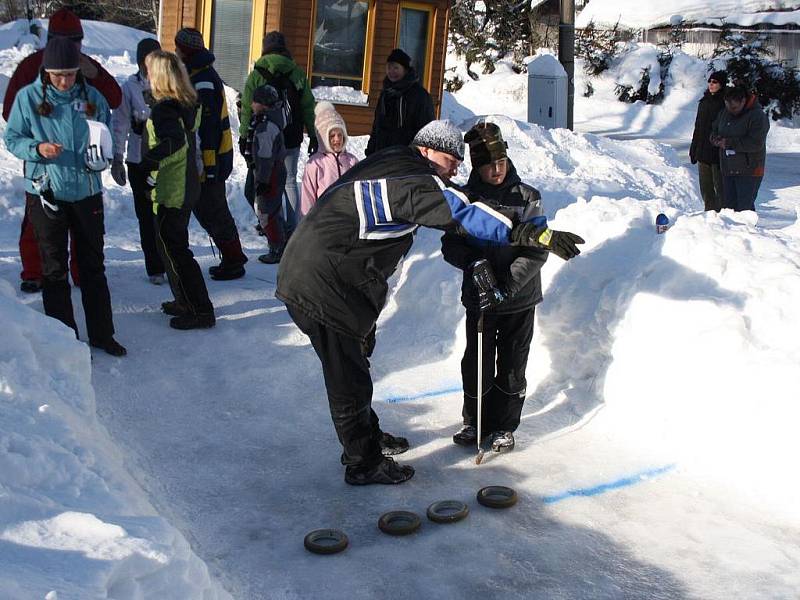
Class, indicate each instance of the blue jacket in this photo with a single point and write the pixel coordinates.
(69, 178)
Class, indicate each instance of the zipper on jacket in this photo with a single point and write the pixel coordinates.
(338, 164)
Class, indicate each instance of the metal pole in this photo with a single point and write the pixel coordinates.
(566, 52)
(479, 458)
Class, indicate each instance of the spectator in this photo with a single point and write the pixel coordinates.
(49, 128)
(127, 125)
(170, 158)
(276, 68)
(740, 133)
(216, 145)
(404, 106)
(507, 315)
(331, 161)
(702, 152)
(63, 23)
(333, 276)
(266, 175)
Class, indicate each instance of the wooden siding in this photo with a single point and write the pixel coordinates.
(295, 19)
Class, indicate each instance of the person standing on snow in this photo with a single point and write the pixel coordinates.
(49, 128)
(62, 23)
(276, 68)
(509, 312)
(334, 272)
(127, 125)
(216, 145)
(404, 106)
(170, 159)
(702, 152)
(740, 133)
(331, 161)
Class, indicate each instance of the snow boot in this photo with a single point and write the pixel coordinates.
(391, 445)
(109, 346)
(273, 257)
(502, 441)
(31, 286)
(466, 436)
(232, 264)
(193, 321)
(174, 308)
(386, 472)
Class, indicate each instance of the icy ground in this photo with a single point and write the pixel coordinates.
(656, 456)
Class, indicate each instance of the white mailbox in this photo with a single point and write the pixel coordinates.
(547, 92)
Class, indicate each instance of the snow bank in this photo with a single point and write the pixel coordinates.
(72, 521)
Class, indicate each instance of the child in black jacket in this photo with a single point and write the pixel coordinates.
(508, 314)
(265, 151)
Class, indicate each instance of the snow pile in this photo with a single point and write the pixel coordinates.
(637, 14)
(72, 520)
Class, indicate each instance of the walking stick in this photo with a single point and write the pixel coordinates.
(479, 458)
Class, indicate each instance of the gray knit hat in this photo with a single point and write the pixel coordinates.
(61, 54)
(443, 136)
(189, 40)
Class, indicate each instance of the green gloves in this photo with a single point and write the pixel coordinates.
(561, 243)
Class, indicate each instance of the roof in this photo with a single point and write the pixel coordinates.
(637, 14)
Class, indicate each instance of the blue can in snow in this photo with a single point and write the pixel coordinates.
(662, 223)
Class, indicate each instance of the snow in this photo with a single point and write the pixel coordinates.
(636, 14)
(656, 453)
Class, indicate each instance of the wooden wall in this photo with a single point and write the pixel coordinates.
(294, 19)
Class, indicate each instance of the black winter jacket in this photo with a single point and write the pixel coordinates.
(404, 107)
(701, 149)
(517, 269)
(337, 263)
(746, 134)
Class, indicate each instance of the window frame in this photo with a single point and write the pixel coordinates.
(425, 75)
(205, 10)
(366, 71)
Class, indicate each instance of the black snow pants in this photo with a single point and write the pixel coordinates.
(213, 214)
(84, 220)
(508, 338)
(183, 272)
(143, 204)
(345, 367)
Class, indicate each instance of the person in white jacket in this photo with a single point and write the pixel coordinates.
(127, 124)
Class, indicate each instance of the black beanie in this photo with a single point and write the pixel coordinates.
(145, 47)
(274, 43)
(190, 41)
(61, 54)
(486, 144)
(719, 76)
(399, 57)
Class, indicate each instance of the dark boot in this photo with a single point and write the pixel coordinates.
(233, 260)
(174, 308)
(502, 441)
(466, 436)
(386, 472)
(110, 346)
(391, 445)
(192, 321)
(274, 255)
(31, 286)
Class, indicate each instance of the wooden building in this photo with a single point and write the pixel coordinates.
(337, 42)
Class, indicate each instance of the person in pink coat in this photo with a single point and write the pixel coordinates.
(331, 161)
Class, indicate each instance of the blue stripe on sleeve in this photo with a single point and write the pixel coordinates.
(378, 200)
(478, 219)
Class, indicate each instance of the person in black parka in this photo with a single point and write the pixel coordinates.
(404, 106)
(508, 321)
(702, 152)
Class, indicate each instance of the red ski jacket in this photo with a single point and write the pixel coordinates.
(28, 70)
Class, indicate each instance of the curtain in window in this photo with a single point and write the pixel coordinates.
(340, 34)
(414, 36)
(230, 40)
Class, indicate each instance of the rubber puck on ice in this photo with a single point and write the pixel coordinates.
(447, 511)
(399, 522)
(325, 541)
(497, 496)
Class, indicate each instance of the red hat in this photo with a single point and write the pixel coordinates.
(65, 23)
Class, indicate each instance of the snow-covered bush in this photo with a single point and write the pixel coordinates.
(643, 73)
(748, 61)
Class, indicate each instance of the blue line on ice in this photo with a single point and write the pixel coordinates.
(395, 399)
(611, 485)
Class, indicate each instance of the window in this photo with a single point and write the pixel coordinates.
(415, 36)
(340, 37)
(229, 18)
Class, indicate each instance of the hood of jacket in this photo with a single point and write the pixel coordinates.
(200, 60)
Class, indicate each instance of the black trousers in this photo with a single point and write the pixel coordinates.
(345, 367)
(183, 272)
(213, 214)
(84, 219)
(143, 204)
(508, 338)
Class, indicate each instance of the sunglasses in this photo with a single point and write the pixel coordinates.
(713, 81)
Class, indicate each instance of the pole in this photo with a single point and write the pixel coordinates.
(566, 53)
(479, 458)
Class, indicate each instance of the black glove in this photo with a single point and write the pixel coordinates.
(243, 146)
(560, 243)
(313, 145)
(489, 295)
